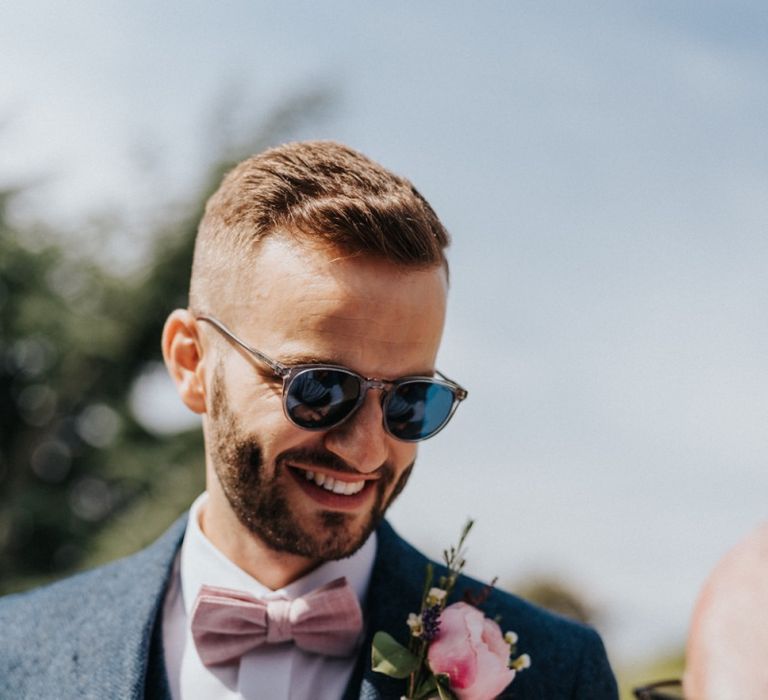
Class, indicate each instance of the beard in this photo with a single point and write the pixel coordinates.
(257, 494)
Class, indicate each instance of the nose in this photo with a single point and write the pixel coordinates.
(361, 440)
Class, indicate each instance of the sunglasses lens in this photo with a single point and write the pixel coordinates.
(319, 398)
(417, 409)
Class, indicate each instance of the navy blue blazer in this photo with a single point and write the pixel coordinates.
(98, 634)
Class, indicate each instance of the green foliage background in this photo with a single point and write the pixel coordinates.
(81, 480)
(73, 338)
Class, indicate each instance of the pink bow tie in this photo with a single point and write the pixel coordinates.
(226, 623)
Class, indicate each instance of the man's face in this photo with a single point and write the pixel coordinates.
(315, 494)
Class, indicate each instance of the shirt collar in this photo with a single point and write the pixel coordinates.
(201, 563)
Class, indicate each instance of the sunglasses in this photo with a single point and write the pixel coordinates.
(660, 690)
(320, 397)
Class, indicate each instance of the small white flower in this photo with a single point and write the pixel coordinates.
(510, 638)
(414, 622)
(522, 662)
(435, 596)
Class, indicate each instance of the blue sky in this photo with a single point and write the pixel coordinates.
(603, 172)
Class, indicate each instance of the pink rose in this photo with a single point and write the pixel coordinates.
(471, 650)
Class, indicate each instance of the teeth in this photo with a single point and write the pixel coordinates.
(354, 487)
(346, 488)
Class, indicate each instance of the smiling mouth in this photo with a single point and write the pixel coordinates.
(337, 486)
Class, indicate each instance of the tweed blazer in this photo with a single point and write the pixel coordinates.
(98, 635)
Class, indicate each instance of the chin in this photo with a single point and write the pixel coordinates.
(333, 535)
(343, 538)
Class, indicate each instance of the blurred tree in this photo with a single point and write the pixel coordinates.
(81, 480)
(556, 596)
(58, 406)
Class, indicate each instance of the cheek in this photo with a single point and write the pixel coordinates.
(256, 404)
(403, 457)
(275, 434)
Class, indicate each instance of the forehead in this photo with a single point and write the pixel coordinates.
(300, 301)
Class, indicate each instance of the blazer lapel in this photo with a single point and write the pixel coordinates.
(156, 685)
(395, 590)
(133, 589)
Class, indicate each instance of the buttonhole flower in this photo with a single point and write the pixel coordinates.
(455, 652)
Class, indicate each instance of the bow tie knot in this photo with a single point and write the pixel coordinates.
(279, 621)
(227, 624)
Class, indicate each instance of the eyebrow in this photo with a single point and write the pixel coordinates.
(296, 359)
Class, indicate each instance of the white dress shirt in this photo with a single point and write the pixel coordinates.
(270, 672)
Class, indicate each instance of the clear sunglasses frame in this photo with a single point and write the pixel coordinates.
(287, 373)
(660, 690)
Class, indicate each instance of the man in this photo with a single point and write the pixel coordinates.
(728, 640)
(317, 304)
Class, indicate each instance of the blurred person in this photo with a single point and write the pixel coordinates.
(317, 304)
(728, 639)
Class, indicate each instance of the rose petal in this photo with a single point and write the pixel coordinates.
(493, 672)
(472, 651)
(452, 651)
(493, 637)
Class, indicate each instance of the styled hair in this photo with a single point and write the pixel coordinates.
(323, 192)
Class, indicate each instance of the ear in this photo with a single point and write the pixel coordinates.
(183, 355)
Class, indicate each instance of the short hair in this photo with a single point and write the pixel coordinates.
(323, 192)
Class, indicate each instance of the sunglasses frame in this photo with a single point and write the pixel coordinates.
(658, 690)
(288, 373)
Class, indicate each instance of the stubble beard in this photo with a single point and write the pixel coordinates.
(258, 499)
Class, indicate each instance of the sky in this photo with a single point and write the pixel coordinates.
(602, 169)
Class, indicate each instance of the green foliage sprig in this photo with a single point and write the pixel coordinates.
(393, 659)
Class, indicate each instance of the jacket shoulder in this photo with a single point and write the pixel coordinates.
(86, 631)
(69, 598)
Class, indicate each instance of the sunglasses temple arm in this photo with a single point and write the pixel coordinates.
(461, 392)
(277, 367)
